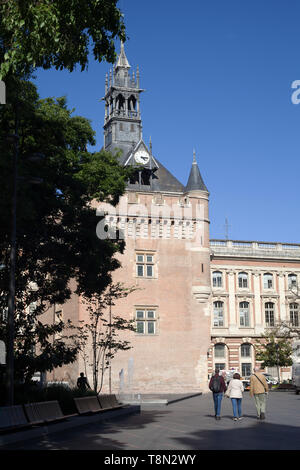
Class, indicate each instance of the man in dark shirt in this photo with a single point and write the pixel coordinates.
(218, 387)
(82, 382)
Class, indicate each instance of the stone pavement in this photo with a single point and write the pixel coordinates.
(182, 425)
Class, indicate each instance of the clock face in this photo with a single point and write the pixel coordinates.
(141, 156)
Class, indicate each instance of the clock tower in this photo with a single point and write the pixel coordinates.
(122, 121)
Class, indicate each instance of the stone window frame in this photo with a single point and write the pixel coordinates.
(292, 277)
(223, 313)
(242, 279)
(269, 310)
(146, 320)
(249, 313)
(215, 283)
(294, 314)
(145, 263)
(269, 287)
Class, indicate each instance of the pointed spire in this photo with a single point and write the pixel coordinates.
(195, 181)
(122, 61)
(106, 83)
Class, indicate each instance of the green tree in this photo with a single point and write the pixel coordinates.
(56, 222)
(60, 34)
(275, 349)
(100, 337)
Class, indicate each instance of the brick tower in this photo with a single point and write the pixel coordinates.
(166, 229)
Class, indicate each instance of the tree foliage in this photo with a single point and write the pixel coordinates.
(275, 349)
(60, 33)
(56, 223)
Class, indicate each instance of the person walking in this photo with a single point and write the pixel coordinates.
(235, 393)
(218, 387)
(259, 390)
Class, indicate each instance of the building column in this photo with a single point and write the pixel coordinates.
(258, 320)
(232, 323)
(282, 304)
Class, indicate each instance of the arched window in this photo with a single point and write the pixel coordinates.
(132, 103)
(120, 102)
(269, 314)
(246, 350)
(244, 314)
(218, 314)
(217, 279)
(292, 281)
(294, 314)
(243, 280)
(268, 281)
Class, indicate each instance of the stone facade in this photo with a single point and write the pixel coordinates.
(253, 289)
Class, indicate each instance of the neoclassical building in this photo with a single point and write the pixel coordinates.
(253, 289)
(198, 303)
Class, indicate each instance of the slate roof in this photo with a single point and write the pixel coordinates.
(195, 181)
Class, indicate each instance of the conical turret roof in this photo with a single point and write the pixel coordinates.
(195, 181)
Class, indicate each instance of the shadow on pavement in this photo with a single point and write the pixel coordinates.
(261, 436)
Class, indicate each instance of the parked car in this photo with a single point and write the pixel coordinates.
(296, 377)
(246, 383)
(270, 380)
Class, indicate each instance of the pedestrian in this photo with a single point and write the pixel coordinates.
(82, 382)
(218, 387)
(235, 393)
(259, 390)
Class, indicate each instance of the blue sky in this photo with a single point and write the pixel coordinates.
(217, 76)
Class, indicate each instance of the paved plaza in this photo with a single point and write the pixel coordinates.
(184, 425)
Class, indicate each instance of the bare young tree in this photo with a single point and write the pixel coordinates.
(100, 337)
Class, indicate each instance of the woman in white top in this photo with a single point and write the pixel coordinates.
(235, 392)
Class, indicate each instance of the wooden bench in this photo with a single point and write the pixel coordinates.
(12, 418)
(87, 405)
(43, 412)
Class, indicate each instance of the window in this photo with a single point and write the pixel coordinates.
(220, 365)
(269, 314)
(218, 313)
(294, 314)
(292, 281)
(217, 279)
(219, 350)
(145, 321)
(246, 369)
(244, 314)
(243, 280)
(246, 350)
(268, 281)
(145, 265)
